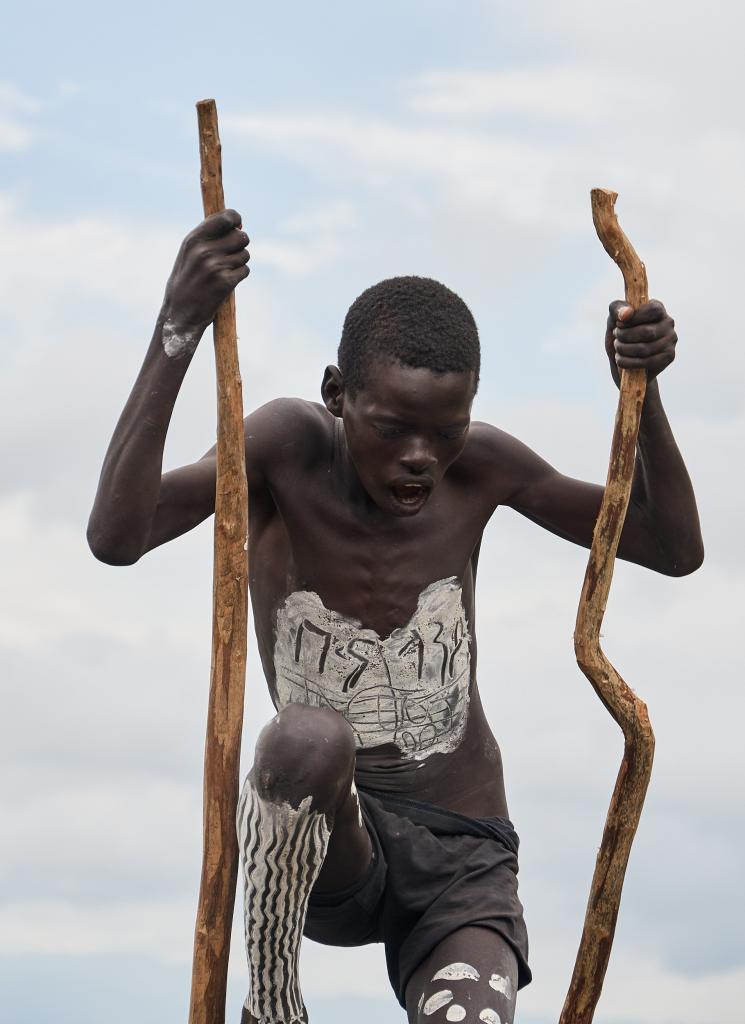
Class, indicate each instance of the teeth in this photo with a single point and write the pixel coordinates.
(410, 494)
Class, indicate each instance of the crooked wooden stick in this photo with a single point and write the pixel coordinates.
(229, 625)
(620, 700)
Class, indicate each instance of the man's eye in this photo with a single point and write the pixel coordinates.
(454, 434)
(388, 433)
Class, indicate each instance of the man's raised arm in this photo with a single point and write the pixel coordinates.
(661, 530)
(136, 507)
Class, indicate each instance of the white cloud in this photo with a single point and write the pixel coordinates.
(16, 111)
(299, 258)
(113, 841)
(357, 972)
(506, 176)
(339, 214)
(571, 92)
(637, 988)
(308, 241)
(85, 259)
(150, 926)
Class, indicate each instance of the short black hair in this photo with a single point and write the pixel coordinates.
(411, 320)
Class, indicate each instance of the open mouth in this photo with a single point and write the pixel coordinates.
(410, 495)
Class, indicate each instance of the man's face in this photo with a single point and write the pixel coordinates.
(404, 429)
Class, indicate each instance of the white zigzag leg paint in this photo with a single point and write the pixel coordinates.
(282, 851)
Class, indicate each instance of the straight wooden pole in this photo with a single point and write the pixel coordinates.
(229, 627)
(619, 699)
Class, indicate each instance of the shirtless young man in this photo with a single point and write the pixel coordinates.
(367, 514)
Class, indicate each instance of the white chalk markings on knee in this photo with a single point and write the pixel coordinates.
(437, 1001)
(490, 1016)
(282, 851)
(178, 343)
(455, 1012)
(457, 972)
(501, 984)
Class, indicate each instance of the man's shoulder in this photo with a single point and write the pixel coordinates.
(497, 461)
(289, 429)
(487, 442)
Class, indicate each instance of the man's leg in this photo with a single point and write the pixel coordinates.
(471, 976)
(299, 828)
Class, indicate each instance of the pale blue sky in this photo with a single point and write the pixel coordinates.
(457, 140)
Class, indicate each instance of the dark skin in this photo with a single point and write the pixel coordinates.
(397, 486)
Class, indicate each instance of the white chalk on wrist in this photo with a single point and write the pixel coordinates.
(178, 343)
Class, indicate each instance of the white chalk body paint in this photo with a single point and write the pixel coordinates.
(356, 796)
(437, 1001)
(490, 1016)
(178, 343)
(455, 1012)
(282, 852)
(500, 984)
(410, 689)
(457, 972)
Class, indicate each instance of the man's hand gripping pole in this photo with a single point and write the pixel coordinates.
(620, 700)
(229, 626)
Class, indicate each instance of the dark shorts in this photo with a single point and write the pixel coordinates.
(433, 871)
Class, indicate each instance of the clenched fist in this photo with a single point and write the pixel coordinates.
(212, 260)
(639, 339)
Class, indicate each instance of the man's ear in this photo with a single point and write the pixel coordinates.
(332, 390)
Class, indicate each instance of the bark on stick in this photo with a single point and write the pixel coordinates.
(229, 624)
(617, 696)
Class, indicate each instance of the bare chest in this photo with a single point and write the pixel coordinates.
(371, 570)
(372, 573)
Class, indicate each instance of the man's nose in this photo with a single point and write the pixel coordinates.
(418, 459)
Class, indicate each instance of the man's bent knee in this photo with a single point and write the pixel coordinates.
(472, 973)
(304, 752)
